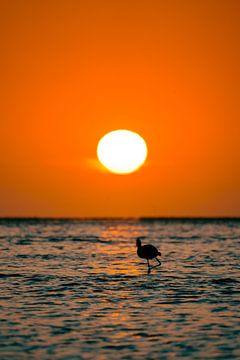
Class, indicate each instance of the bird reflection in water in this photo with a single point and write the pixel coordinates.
(147, 252)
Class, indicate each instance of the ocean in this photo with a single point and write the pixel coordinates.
(75, 289)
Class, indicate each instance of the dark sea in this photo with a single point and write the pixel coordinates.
(75, 289)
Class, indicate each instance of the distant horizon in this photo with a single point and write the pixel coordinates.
(140, 218)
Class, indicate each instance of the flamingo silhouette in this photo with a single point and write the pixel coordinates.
(147, 252)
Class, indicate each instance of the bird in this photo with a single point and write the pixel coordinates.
(147, 252)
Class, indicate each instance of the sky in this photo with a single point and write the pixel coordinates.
(71, 71)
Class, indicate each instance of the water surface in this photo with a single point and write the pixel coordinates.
(76, 290)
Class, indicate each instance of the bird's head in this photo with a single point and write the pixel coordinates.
(138, 241)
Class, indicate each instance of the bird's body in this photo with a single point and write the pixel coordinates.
(147, 252)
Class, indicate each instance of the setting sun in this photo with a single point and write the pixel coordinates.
(122, 151)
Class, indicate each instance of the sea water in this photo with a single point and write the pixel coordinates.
(72, 289)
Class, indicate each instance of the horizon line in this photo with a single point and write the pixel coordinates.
(102, 218)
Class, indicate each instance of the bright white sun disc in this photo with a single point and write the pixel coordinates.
(122, 151)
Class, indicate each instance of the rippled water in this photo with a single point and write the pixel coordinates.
(77, 290)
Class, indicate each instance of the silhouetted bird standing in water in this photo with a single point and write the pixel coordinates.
(147, 252)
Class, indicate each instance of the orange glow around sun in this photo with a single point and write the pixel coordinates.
(74, 71)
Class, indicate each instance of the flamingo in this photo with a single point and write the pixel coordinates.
(147, 252)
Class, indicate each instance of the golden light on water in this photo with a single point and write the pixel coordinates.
(122, 151)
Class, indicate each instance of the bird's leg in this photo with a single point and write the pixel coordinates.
(149, 268)
(159, 263)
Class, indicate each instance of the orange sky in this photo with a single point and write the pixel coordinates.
(73, 70)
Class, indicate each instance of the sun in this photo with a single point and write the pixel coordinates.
(122, 151)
